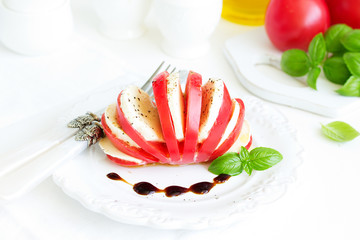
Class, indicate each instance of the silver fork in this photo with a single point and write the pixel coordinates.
(24, 170)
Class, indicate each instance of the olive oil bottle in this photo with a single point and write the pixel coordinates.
(245, 12)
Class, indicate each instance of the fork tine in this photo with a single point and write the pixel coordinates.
(157, 70)
(147, 87)
(167, 68)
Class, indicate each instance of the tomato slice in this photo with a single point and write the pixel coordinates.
(230, 140)
(217, 130)
(156, 149)
(249, 143)
(192, 116)
(118, 156)
(163, 94)
(122, 162)
(125, 147)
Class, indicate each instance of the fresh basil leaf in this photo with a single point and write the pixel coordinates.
(229, 163)
(247, 167)
(295, 62)
(352, 61)
(313, 76)
(243, 154)
(339, 131)
(262, 158)
(351, 40)
(317, 50)
(351, 87)
(333, 36)
(335, 70)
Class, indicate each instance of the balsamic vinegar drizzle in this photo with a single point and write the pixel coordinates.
(146, 188)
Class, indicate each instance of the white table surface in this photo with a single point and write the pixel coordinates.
(322, 204)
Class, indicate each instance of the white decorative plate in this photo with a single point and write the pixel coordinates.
(85, 180)
(252, 57)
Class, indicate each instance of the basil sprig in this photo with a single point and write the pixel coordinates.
(259, 159)
(298, 63)
(337, 53)
(339, 131)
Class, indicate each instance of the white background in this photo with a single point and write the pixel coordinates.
(324, 202)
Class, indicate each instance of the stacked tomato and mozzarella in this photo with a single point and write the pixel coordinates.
(197, 125)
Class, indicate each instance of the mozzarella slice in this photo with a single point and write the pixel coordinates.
(243, 139)
(140, 111)
(232, 123)
(112, 123)
(175, 99)
(109, 149)
(212, 99)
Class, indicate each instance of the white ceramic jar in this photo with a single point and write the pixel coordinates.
(35, 27)
(121, 19)
(186, 25)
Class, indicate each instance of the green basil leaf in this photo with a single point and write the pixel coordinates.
(295, 62)
(244, 154)
(247, 167)
(351, 87)
(262, 158)
(333, 36)
(339, 131)
(229, 163)
(352, 61)
(335, 70)
(351, 40)
(317, 49)
(313, 76)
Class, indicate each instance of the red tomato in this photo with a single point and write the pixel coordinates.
(345, 11)
(192, 115)
(293, 23)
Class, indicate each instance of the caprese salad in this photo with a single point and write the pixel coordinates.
(196, 125)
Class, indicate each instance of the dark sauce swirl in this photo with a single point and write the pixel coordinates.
(146, 188)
